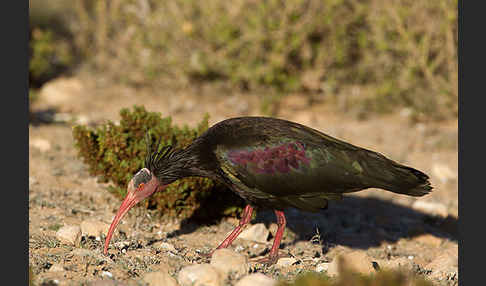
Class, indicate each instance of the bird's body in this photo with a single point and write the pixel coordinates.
(274, 163)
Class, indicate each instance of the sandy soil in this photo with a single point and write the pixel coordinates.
(383, 224)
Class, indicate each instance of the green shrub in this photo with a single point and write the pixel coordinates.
(115, 152)
(50, 56)
(51, 49)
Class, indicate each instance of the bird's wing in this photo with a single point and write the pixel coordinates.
(296, 163)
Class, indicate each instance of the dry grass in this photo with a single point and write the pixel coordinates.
(373, 55)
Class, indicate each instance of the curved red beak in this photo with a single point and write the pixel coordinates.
(129, 201)
(134, 196)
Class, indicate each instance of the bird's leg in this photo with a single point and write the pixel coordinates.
(272, 257)
(245, 219)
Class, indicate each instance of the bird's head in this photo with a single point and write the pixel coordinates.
(159, 171)
(142, 185)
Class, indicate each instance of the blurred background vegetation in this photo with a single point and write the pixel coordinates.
(378, 55)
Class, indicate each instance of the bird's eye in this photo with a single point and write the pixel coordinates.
(140, 186)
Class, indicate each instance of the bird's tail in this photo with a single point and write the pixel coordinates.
(402, 179)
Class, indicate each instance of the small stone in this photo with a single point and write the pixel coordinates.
(357, 261)
(159, 278)
(60, 91)
(69, 234)
(164, 246)
(42, 144)
(199, 275)
(321, 267)
(256, 279)
(431, 208)
(286, 261)
(94, 228)
(226, 261)
(56, 267)
(429, 239)
(106, 274)
(256, 232)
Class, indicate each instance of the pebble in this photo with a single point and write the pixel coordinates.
(321, 267)
(159, 278)
(69, 234)
(199, 275)
(94, 228)
(42, 144)
(160, 245)
(432, 208)
(59, 92)
(357, 261)
(226, 261)
(256, 279)
(56, 267)
(106, 274)
(256, 232)
(286, 261)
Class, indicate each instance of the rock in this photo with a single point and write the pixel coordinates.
(256, 279)
(357, 261)
(200, 274)
(94, 228)
(56, 267)
(42, 144)
(443, 173)
(431, 208)
(159, 278)
(321, 267)
(226, 261)
(445, 264)
(286, 261)
(58, 92)
(256, 232)
(106, 274)
(160, 245)
(69, 234)
(429, 239)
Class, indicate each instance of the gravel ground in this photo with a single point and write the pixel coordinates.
(69, 211)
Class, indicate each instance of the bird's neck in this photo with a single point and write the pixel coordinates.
(190, 162)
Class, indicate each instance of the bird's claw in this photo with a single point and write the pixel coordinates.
(271, 258)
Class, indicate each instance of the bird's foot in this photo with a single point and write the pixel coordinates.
(271, 259)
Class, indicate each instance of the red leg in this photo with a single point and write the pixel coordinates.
(245, 219)
(273, 255)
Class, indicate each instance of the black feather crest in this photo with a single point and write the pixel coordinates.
(159, 161)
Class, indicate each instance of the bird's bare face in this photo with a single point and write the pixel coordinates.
(142, 185)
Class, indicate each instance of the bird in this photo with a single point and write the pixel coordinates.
(272, 164)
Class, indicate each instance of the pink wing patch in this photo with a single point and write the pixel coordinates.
(270, 160)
